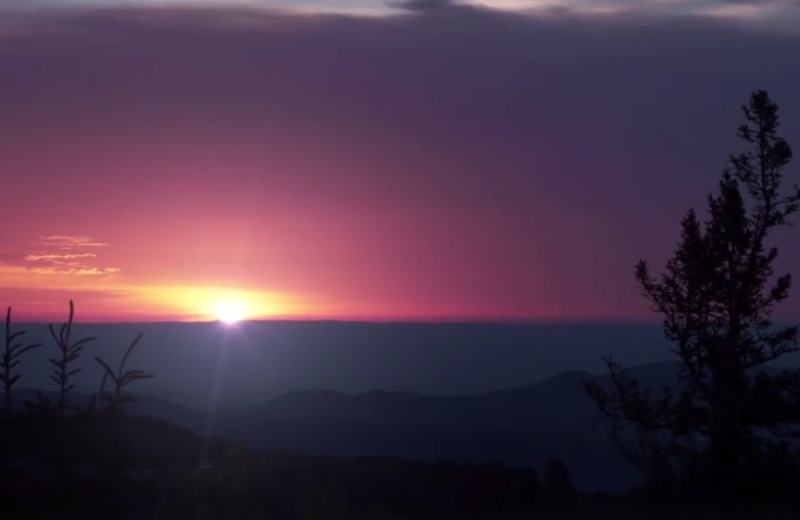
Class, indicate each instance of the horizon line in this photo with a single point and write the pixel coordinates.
(363, 320)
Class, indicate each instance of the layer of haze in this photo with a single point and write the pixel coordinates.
(427, 161)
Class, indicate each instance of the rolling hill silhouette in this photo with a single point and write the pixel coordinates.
(524, 425)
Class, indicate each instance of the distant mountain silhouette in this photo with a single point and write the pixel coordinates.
(524, 425)
(256, 361)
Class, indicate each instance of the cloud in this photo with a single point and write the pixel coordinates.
(48, 259)
(756, 8)
(788, 3)
(76, 269)
(69, 241)
(71, 263)
(54, 258)
(423, 5)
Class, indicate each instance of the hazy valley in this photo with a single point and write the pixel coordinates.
(316, 388)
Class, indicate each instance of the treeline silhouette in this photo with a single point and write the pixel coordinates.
(721, 441)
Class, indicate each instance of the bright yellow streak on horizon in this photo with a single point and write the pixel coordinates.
(218, 303)
(111, 294)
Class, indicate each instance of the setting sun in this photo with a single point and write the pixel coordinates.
(229, 312)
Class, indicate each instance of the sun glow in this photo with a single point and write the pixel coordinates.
(229, 311)
(212, 303)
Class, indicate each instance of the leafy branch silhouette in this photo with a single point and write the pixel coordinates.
(11, 360)
(120, 379)
(114, 401)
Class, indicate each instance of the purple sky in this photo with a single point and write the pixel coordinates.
(505, 160)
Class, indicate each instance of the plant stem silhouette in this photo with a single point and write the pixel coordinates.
(115, 401)
(70, 353)
(11, 359)
(716, 297)
(120, 379)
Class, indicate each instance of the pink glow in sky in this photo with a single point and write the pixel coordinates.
(452, 163)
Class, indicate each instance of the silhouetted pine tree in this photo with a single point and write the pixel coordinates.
(716, 297)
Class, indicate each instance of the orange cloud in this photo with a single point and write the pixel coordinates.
(80, 271)
(26, 269)
(69, 241)
(57, 258)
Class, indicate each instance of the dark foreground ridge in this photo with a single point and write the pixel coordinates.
(164, 471)
(557, 423)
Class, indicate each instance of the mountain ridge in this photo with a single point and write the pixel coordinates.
(524, 425)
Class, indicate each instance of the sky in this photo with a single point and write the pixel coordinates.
(426, 159)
